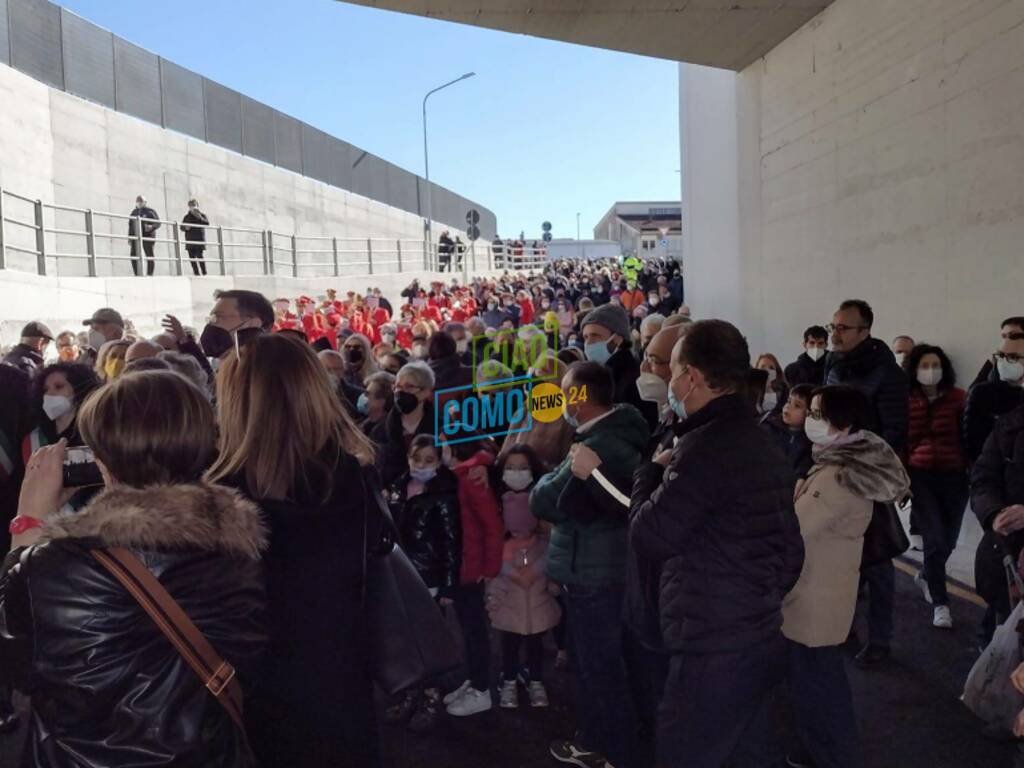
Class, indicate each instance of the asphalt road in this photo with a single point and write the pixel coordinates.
(908, 710)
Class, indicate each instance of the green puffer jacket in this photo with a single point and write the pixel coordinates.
(588, 543)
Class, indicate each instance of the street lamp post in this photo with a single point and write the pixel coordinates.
(426, 161)
(579, 245)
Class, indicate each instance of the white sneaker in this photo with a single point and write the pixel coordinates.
(471, 703)
(457, 693)
(943, 619)
(509, 695)
(538, 694)
(916, 543)
(919, 580)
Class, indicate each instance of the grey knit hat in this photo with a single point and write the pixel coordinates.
(610, 316)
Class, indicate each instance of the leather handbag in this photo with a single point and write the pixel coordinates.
(216, 675)
(884, 538)
(409, 640)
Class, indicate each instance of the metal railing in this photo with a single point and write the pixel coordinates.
(64, 240)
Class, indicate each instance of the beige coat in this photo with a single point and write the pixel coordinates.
(819, 610)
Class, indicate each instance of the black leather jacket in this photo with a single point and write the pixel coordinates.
(107, 688)
(430, 527)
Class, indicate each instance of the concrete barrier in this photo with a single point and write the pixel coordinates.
(63, 302)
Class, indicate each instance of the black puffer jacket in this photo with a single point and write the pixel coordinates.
(430, 527)
(393, 459)
(997, 481)
(721, 518)
(986, 402)
(107, 688)
(806, 371)
(872, 368)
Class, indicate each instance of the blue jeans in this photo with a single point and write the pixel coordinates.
(881, 581)
(940, 499)
(603, 703)
(823, 705)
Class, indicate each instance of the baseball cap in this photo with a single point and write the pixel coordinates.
(105, 315)
(36, 330)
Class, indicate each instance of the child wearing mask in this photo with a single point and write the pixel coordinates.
(481, 559)
(425, 504)
(787, 429)
(521, 600)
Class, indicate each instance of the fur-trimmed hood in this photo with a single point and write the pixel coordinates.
(867, 466)
(183, 516)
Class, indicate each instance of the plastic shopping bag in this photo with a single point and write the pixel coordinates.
(988, 692)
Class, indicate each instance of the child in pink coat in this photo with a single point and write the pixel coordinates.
(521, 601)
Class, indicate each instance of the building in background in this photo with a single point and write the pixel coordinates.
(644, 228)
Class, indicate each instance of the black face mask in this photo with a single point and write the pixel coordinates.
(406, 402)
(215, 341)
(354, 356)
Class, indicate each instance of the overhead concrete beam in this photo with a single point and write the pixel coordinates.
(729, 34)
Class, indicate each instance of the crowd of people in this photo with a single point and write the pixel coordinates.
(693, 534)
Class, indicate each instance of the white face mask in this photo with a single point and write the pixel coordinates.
(1010, 372)
(815, 353)
(929, 377)
(517, 479)
(461, 345)
(769, 402)
(817, 431)
(772, 375)
(96, 339)
(652, 388)
(900, 358)
(419, 351)
(55, 406)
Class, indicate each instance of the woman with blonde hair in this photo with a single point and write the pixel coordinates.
(110, 359)
(360, 363)
(288, 443)
(777, 389)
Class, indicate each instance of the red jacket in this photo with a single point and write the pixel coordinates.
(934, 439)
(482, 530)
(526, 311)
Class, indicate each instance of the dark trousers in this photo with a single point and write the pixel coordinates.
(604, 708)
(510, 663)
(195, 257)
(469, 608)
(147, 247)
(940, 499)
(560, 632)
(647, 672)
(881, 581)
(822, 705)
(717, 708)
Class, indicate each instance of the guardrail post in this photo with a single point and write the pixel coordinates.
(472, 253)
(220, 251)
(40, 237)
(369, 253)
(177, 248)
(90, 241)
(334, 251)
(398, 244)
(270, 252)
(295, 257)
(3, 241)
(140, 253)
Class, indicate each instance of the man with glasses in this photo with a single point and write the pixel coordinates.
(237, 317)
(989, 400)
(859, 360)
(988, 371)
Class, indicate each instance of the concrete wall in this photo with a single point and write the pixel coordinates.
(62, 149)
(62, 303)
(879, 154)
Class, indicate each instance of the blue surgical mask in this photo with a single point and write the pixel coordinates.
(423, 475)
(597, 351)
(678, 406)
(363, 404)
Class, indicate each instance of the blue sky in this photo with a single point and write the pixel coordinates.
(544, 130)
